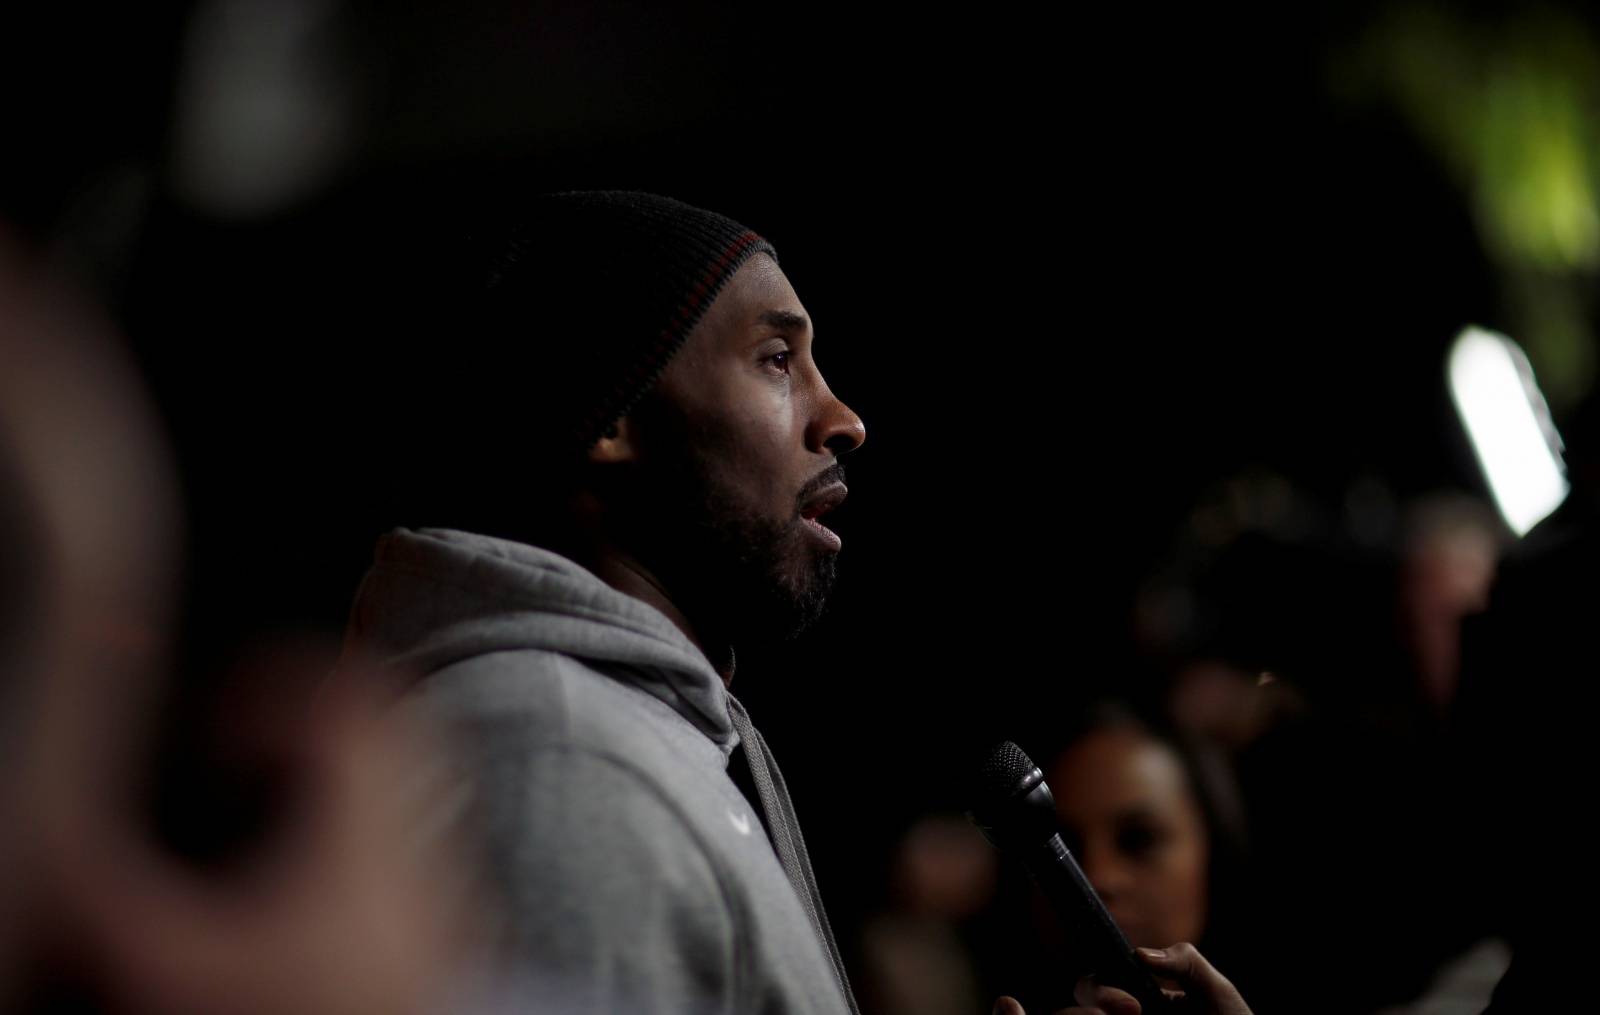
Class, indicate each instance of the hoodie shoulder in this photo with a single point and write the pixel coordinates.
(437, 600)
(513, 702)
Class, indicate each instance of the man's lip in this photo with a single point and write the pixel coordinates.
(829, 538)
(824, 500)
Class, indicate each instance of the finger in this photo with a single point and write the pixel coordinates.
(1093, 994)
(1007, 1006)
(1183, 962)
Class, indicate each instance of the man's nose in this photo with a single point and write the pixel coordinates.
(835, 427)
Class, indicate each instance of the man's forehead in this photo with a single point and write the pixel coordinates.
(757, 294)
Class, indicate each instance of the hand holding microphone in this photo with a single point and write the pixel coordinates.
(1203, 990)
(1015, 810)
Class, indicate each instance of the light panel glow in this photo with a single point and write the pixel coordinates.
(1509, 425)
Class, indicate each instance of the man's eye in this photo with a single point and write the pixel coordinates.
(780, 360)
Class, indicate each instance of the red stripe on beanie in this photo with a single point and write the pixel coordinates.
(691, 304)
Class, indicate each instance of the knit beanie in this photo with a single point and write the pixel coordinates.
(591, 293)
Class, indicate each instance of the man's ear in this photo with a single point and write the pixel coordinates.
(615, 445)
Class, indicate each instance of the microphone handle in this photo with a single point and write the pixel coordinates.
(1098, 944)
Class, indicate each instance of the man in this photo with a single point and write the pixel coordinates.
(648, 425)
(647, 410)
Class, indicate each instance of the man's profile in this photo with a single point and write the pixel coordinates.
(647, 453)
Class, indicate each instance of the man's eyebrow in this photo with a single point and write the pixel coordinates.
(784, 320)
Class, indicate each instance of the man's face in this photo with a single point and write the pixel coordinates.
(738, 445)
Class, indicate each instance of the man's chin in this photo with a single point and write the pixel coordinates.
(757, 581)
(806, 599)
(781, 604)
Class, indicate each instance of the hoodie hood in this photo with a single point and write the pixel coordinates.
(434, 597)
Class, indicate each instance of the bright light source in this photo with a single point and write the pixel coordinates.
(1509, 425)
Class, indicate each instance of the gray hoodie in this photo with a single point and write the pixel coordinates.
(592, 743)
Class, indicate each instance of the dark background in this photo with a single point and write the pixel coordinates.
(1074, 270)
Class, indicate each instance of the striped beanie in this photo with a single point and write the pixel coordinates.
(591, 293)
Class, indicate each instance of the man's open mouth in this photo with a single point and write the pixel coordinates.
(820, 503)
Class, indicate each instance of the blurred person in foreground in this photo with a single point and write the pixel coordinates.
(643, 455)
(1524, 731)
(327, 910)
(917, 950)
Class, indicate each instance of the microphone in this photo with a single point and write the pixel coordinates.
(1014, 810)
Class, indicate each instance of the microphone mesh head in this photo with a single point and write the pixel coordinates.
(1003, 771)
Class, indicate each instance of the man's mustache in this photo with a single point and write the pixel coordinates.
(827, 477)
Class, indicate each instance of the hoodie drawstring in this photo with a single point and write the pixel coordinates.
(784, 828)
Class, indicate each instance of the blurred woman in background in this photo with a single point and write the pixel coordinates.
(1139, 812)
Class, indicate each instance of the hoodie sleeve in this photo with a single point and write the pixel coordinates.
(610, 902)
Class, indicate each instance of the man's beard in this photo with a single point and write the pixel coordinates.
(742, 577)
(750, 578)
